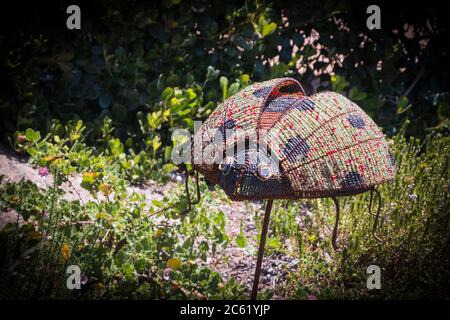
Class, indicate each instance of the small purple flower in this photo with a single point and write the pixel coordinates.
(311, 297)
(166, 274)
(43, 171)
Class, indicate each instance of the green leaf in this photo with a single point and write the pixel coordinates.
(176, 104)
(184, 112)
(133, 100)
(241, 241)
(268, 29)
(169, 167)
(65, 66)
(224, 86)
(402, 104)
(339, 83)
(279, 70)
(356, 95)
(105, 100)
(265, 27)
(167, 93)
(157, 203)
(119, 112)
(154, 119)
(244, 78)
(156, 143)
(191, 94)
(211, 73)
(116, 147)
(234, 88)
(32, 135)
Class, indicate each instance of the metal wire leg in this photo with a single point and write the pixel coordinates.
(262, 244)
(336, 225)
(377, 218)
(188, 196)
(371, 202)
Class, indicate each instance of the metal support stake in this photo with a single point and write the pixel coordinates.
(262, 244)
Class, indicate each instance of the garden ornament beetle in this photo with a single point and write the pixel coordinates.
(272, 141)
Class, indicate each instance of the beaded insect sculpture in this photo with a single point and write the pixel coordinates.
(292, 146)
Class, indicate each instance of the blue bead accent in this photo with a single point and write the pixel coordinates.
(391, 158)
(279, 104)
(356, 121)
(229, 124)
(261, 93)
(296, 147)
(304, 105)
(352, 180)
(221, 131)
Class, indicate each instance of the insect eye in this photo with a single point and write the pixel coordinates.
(226, 166)
(264, 171)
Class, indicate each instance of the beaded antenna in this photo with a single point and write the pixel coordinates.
(271, 141)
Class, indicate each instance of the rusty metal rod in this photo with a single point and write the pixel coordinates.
(262, 244)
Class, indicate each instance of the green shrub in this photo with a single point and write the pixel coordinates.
(124, 246)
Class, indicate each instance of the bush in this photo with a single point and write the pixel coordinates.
(125, 247)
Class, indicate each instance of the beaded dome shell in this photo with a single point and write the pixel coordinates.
(321, 145)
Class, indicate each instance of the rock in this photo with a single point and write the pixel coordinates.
(10, 216)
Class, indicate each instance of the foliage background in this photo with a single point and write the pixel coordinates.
(155, 66)
(137, 70)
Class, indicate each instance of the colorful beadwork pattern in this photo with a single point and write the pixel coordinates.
(321, 145)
